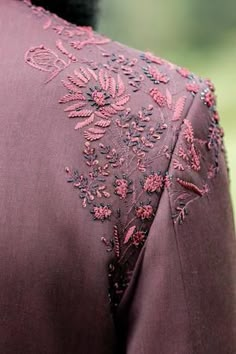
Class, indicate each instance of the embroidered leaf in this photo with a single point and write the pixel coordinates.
(102, 114)
(179, 108)
(169, 98)
(102, 77)
(85, 73)
(117, 108)
(81, 77)
(121, 86)
(94, 134)
(85, 122)
(129, 234)
(71, 87)
(109, 110)
(112, 86)
(188, 132)
(76, 81)
(123, 100)
(75, 106)
(93, 74)
(177, 165)
(82, 113)
(72, 97)
(103, 123)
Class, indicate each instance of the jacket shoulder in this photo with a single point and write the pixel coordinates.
(142, 121)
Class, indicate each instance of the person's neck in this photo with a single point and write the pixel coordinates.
(80, 12)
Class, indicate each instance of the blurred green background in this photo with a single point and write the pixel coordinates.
(197, 34)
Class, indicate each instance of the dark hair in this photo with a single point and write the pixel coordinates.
(80, 12)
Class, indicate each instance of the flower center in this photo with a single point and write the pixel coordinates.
(99, 98)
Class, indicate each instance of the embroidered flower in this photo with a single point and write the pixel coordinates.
(144, 212)
(158, 97)
(98, 98)
(215, 136)
(44, 59)
(208, 98)
(192, 87)
(101, 212)
(138, 238)
(167, 180)
(104, 98)
(122, 187)
(153, 183)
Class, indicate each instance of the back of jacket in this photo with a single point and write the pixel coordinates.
(116, 227)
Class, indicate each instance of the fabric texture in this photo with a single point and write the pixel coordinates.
(117, 231)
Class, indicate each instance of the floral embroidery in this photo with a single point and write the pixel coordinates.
(150, 58)
(158, 97)
(193, 87)
(208, 98)
(72, 36)
(191, 154)
(144, 211)
(184, 72)
(45, 59)
(153, 183)
(120, 182)
(123, 187)
(120, 63)
(103, 100)
(101, 212)
(179, 108)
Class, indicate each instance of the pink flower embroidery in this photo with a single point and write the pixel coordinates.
(158, 97)
(208, 98)
(144, 212)
(122, 187)
(101, 212)
(104, 98)
(153, 183)
(192, 87)
(138, 238)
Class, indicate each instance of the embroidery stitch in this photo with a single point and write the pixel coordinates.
(105, 99)
(120, 182)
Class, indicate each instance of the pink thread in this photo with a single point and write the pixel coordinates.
(44, 59)
(190, 186)
(179, 108)
(153, 183)
(158, 97)
(116, 241)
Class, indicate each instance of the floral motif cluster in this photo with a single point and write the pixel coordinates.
(106, 99)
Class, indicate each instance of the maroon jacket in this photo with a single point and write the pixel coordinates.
(116, 227)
